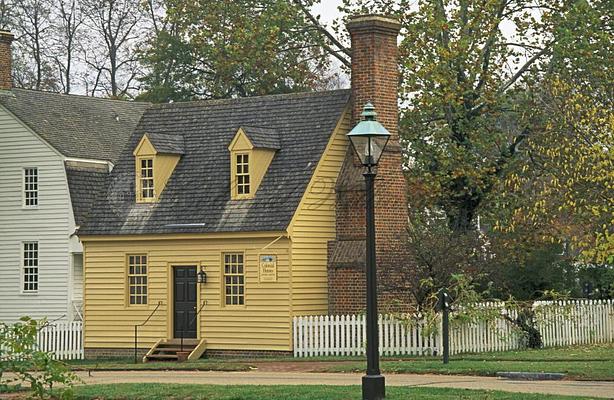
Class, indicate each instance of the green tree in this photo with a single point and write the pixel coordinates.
(565, 188)
(507, 116)
(233, 48)
(465, 82)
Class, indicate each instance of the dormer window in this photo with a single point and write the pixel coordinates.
(251, 152)
(155, 157)
(146, 179)
(242, 169)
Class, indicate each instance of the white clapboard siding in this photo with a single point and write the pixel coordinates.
(563, 323)
(48, 224)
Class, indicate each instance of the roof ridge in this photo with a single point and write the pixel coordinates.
(248, 98)
(83, 96)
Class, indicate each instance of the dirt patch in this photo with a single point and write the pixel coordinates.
(13, 396)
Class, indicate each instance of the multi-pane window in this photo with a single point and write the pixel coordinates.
(137, 279)
(242, 174)
(234, 279)
(30, 187)
(146, 178)
(30, 267)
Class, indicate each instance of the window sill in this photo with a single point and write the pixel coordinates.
(234, 306)
(243, 197)
(138, 306)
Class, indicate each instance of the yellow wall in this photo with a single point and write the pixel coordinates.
(261, 159)
(264, 323)
(144, 148)
(313, 226)
(164, 165)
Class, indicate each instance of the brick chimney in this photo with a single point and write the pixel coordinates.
(375, 78)
(6, 80)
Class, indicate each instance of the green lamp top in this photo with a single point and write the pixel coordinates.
(369, 125)
(369, 137)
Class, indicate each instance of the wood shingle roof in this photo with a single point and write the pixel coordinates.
(76, 126)
(196, 198)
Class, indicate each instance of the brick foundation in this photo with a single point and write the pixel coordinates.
(6, 81)
(108, 353)
(105, 353)
(247, 354)
(374, 79)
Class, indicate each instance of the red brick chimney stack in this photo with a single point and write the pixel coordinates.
(6, 80)
(375, 78)
(375, 73)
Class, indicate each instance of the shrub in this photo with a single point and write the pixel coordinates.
(19, 355)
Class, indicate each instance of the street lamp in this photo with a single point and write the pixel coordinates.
(369, 138)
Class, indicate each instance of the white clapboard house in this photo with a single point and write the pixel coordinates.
(55, 154)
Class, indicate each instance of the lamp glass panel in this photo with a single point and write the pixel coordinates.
(361, 145)
(377, 147)
(369, 148)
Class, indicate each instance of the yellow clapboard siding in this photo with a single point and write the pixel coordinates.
(264, 323)
(313, 226)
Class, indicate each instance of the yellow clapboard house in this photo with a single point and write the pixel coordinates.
(224, 219)
(242, 190)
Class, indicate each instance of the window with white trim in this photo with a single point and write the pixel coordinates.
(234, 279)
(137, 279)
(30, 187)
(30, 267)
(146, 178)
(242, 174)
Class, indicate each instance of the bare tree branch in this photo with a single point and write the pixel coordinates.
(341, 53)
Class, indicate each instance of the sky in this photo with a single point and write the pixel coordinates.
(327, 10)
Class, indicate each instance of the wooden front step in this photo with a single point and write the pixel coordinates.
(175, 349)
(161, 357)
(167, 349)
(186, 342)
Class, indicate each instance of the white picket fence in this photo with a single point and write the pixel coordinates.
(561, 323)
(63, 339)
(579, 322)
(346, 335)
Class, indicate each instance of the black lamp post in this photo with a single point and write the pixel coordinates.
(369, 139)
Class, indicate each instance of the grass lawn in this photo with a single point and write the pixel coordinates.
(204, 364)
(579, 362)
(595, 352)
(594, 362)
(211, 392)
(580, 370)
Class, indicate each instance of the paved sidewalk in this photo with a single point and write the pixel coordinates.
(571, 388)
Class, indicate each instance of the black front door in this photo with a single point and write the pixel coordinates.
(185, 302)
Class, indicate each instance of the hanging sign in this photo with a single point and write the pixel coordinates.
(268, 268)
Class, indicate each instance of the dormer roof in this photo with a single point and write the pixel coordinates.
(264, 138)
(165, 143)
